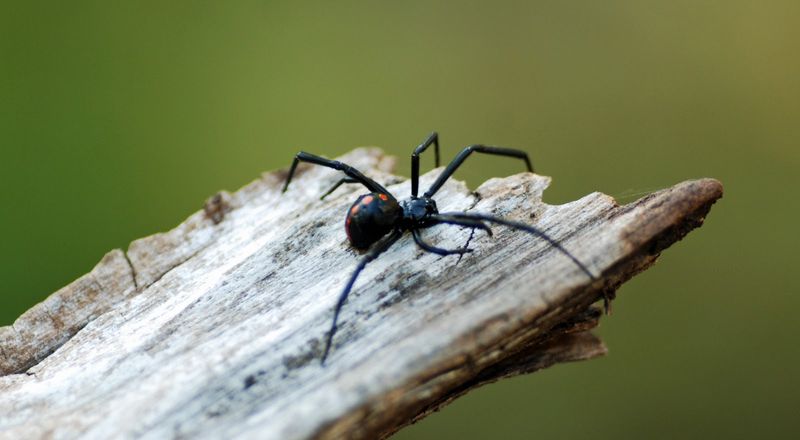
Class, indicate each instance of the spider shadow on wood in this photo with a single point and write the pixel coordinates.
(377, 220)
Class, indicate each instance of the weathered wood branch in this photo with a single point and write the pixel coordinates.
(215, 329)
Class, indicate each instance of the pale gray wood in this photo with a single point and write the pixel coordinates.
(214, 329)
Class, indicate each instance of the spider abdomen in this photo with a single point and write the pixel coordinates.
(371, 217)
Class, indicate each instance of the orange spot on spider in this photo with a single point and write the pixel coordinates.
(383, 197)
(367, 200)
(354, 209)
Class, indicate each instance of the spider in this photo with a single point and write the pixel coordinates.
(377, 220)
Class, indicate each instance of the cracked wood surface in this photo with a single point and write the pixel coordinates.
(214, 329)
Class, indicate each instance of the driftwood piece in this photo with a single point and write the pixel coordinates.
(215, 328)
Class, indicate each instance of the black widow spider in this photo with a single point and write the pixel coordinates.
(378, 213)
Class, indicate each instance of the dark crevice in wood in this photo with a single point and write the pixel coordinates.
(133, 270)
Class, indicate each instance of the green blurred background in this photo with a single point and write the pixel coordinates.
(117, 121)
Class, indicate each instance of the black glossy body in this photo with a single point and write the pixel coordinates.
(418, 212)
(374, 215)
(377, 220)
(371, 217)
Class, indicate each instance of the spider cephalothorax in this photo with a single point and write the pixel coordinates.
(377, 220)
(417, 211)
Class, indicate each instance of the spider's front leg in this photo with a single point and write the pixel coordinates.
(433, 139)
(449, 219)
(461, 221)
(474, 216)
(352, 173)
(462, 156)
(436, 250)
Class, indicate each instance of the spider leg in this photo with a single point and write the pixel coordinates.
(351, 172)
(338, 184)
(373, 253)
(432, 139)
(459, 159)
(460, 221)
(443, 252)
(527, 228)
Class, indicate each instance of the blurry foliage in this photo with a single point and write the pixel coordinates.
(117, 121)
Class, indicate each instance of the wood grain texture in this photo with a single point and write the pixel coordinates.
(214, 329)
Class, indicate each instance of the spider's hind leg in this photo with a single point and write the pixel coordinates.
(350, 172)
(373, 253)
(338, 184)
